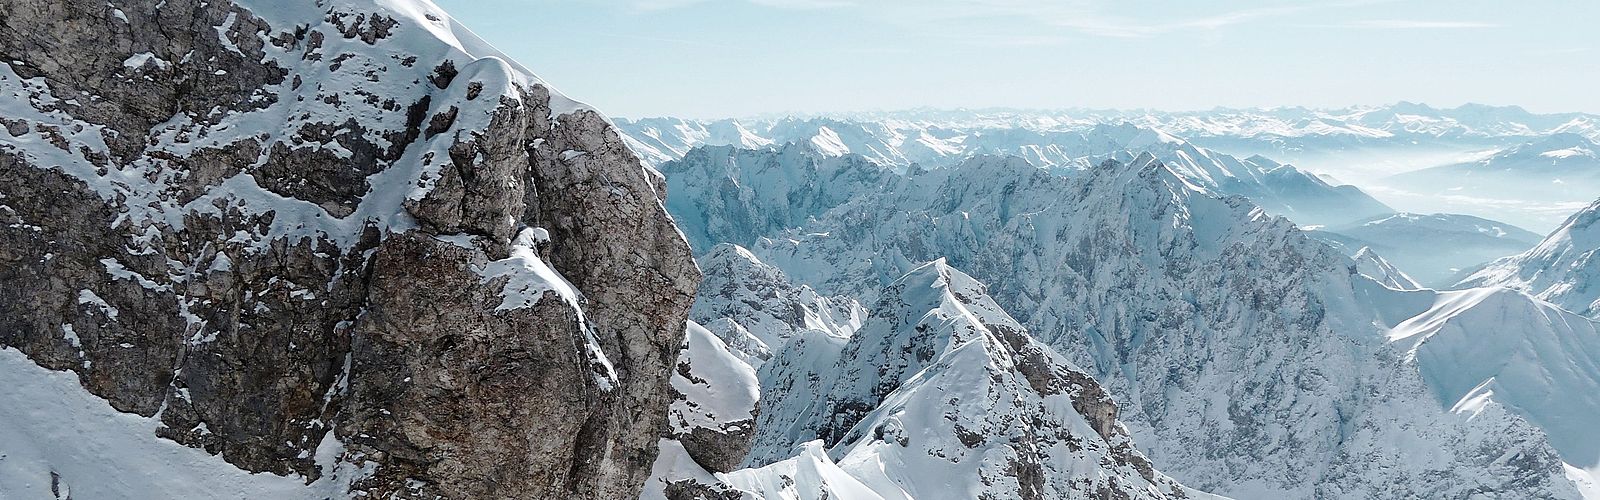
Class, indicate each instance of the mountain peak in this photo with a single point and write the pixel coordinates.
(1561, 269)
(1368, 263)
(937, 276)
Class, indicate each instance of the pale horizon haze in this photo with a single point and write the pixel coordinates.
(734, 58)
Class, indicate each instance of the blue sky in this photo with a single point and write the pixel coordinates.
(721, 58)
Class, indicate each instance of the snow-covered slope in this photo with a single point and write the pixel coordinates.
(941, 395)
(1561, 269)
(755, 309)
(1251, 360)
(732, 195)
(1436, 249)
(1372, 265)
(1277, 188)
(60, 441)
(1497, 345)
(711, 420)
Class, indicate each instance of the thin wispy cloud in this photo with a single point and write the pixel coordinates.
(1408, 24)
(1092, 23)
(659, 5)
(1088, 17)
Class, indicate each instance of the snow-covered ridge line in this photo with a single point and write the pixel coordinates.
(1562, 268)
(1380, 121)
(940, 395)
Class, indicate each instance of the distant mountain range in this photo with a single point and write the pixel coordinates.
(1435, 248)
(1240, 151)
(1559, 168)
(1239, 131)
(1280, 189)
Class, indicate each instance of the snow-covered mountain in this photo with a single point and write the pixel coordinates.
(324, 249)
(1372, 265)
(1250, 359)
(1495, 344)
(344, 248)
(1281, 125)
(940, 394)
(1436, 249)
(710, 422)
(755, 309)
(1561, 269)
(1399, 120)
(1557, 168)
(1362, 145)
(812, 184)
(1281, 189)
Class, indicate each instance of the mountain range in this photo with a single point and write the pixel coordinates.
(1365, 146)
(346, 249)
(1166, 293)
(1281, 189)
(1436, 249)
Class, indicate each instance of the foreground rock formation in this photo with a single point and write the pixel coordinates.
(342, 240)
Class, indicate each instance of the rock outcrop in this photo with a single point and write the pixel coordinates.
(711, 424)
(265, 223)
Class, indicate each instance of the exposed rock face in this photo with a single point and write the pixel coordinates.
(262, 223)
(711, 423)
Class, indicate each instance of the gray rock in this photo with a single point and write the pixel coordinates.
(261, 288)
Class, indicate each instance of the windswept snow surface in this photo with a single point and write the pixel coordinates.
(809, 475)
(54, 431)
(1498, 345)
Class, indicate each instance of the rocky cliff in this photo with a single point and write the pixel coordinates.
(267, 225)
